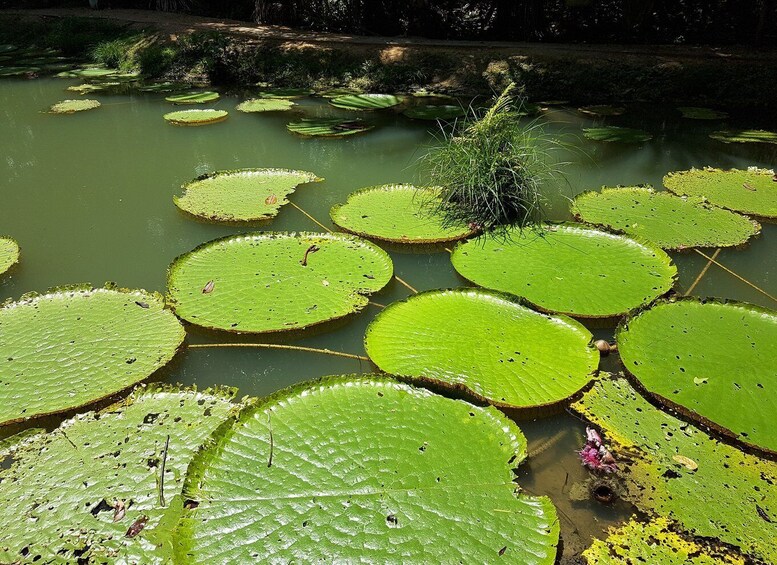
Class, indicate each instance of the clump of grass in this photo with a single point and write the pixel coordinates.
(491, 168)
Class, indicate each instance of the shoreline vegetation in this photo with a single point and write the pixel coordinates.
(193, 49)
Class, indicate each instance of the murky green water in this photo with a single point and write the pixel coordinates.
(89, 199)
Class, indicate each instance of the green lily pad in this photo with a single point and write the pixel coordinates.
(364, 469)
(57, 501)
(196, 117)
(485, 342)
(73, 106)
(753, 191)
(69, 348)
(731, 495)
(602, 110)
(9, 253)
(86, 88)
(745, 136)
(328, 127)
(673, 343)
(258, 283)
(88, 72)
(365, 101)
(614, 134)
(335, 92)
(400, 213)
(696, 113)
(265, 105)
(165, 86)
(193, 97)
(569, 269)
(287, 93)
(241, 195)
(655, 542)
(437, 112)
(666, 220)
(17, 71)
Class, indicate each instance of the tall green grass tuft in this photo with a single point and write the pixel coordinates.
(491, 168)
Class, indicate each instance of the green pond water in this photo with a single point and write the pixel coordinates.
(89, 199)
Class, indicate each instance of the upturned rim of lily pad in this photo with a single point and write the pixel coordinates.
(216, 116)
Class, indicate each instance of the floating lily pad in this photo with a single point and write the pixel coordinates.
(69, 348)
(9, 253)
(666, 220)
(17, 71)
(681, 352)
(328, 127)
(287, 93)
(400, 213)
(753, 191)
(614, 134)
(335, 92)
(573, 270)
(486, 342)
(241, 195)
(59, 500)
(276, 281)
(696, 113)
(365, 101)
(193, 97)
(745, 136)
(165, 86)
(436, 112)
(364, 469)
(86, 88)
(731, 496)
(655, 542)
(196, 117)
(602, 110)
(265, 105)
(89, 72)
(73, 106)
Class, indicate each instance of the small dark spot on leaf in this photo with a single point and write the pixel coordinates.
(502, 551)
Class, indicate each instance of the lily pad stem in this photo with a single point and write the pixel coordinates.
(730, 272)
(281, 346)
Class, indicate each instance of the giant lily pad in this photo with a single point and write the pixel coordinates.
(68, 348)
(365, 101)
(88, 72)
(285, 93)
(655, 542)
(265, 105)
(602, 110)
(692, 353)
(193, 97)
(364, 469)
(73, 106)
(196, 117)
(666, 220)
(696, 113)
(434, 112)
(327, 127)
(9, 253)
(672, 469)
(59, 500)
(573, 270)
(753, 191)
(276, 281)
(18, 70)
(395, 212)
(615, 134)
(486, 342)
(241, 195)
(745, 136)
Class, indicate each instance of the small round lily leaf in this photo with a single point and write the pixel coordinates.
(365, 101)
(196, 117)
(242, 195)
(745, 136)
(400, 213)
(615, 134)
(364, 469)
(435, 112)
(265, 105)
(328, 127)
(9, 253)
(74, 494)
(193, 97)
(696, 113)
(681, 353)
(583, 272)
(753, 191)
(69, 348)
(486, 342)
(73, 106)
(602, 110)
(287, 93)
(663, 218)
(269, 282)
